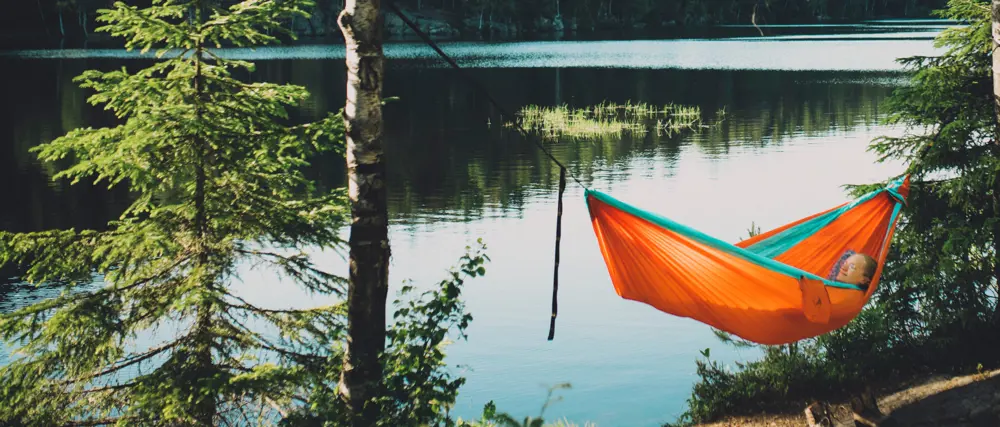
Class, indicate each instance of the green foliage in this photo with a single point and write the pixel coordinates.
(216, 171)
(781, 380)
(151, 328)
(788, 377)
(940, 282)
(936, 301)
(417, 389)
(492, 418)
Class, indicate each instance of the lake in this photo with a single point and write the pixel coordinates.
(801, 106)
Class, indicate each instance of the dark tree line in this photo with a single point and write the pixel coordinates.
(612, 14)
(65, 18)
(74, 19)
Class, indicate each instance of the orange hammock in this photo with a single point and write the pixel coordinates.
(770, 289)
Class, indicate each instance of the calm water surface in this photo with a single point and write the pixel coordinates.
(800, 111)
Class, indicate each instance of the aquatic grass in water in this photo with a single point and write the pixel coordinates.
(609, 119)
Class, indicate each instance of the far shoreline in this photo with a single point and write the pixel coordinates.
(395, 33)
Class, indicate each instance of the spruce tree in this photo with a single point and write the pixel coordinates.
(216, 168)
(937, 299)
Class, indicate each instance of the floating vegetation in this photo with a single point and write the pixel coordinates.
(611, 120)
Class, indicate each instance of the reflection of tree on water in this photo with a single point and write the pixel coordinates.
(32, 200)
(44, 103)
(448, 155)
(447, 158)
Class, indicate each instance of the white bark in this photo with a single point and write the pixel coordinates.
(361, 25)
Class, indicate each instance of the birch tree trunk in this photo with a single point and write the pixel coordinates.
(361, 25)
(996, 141)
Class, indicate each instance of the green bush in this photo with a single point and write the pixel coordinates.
(785, 376)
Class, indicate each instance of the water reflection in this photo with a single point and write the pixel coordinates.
(449, 159)
(462, 165)
(455, 175)
(848, 51)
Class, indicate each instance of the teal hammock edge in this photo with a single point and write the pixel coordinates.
(892, 222)
(779, 243)
(743, 253)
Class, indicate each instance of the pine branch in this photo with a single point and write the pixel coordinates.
(240, 329)
(98, 422)
(283, 412)
(252, 308)
(266, 344)
(103, 293)
(295, 262)
(115, 387)
(236, 367)
(295, 355)
(291, 260)
(237, 408)
(128, 362)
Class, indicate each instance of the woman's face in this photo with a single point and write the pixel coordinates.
(853, 270)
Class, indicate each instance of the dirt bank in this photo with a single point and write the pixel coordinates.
(970, 400)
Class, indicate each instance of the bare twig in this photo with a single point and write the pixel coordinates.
(753, 19)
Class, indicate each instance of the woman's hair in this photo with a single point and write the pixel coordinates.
(870, 266)
(840, 263)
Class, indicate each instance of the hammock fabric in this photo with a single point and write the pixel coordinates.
(770, 289)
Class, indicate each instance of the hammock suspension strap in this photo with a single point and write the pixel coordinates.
(555, 275)
(563, 171)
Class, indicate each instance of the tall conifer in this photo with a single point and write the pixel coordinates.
(216, 167)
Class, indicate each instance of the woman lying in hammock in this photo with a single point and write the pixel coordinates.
(749, 289)
(854, 268)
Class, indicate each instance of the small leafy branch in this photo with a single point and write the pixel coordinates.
(492, 418)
